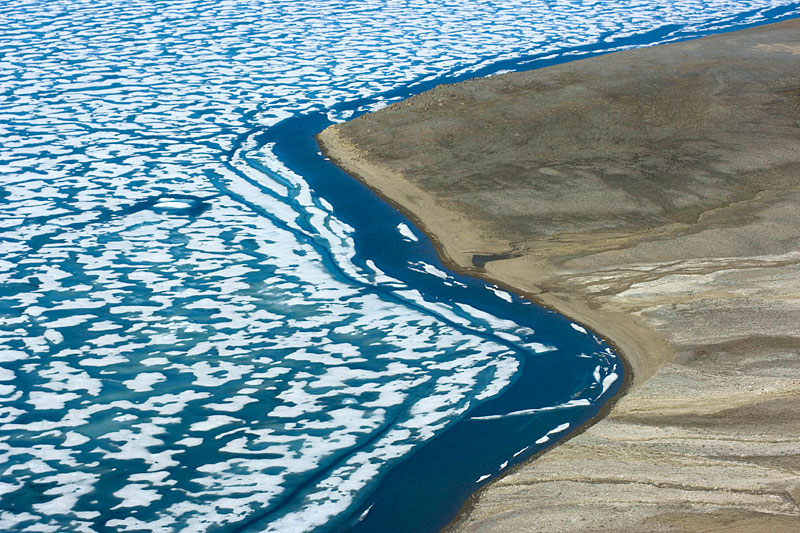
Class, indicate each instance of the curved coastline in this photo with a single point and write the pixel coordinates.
(375, 223)
(633, 351)
(342, 155)
(638, 286)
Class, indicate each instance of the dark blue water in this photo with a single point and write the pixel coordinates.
(206, 325)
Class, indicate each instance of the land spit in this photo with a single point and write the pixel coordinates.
(652, 195)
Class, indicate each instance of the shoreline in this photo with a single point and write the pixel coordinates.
(637, 366)
(691, 282)
(476, 272)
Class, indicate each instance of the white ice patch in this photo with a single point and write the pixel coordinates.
(136, 495)
(363, 515)
(503, 295)
(144, 381)
(50, 400)
(407, 233)
(74, 439)
(172, 204)
(213, 422)
(231, 405)
(558, 429)
(520, 452)
(608, 381)
(526, 412)
(190, 442)
(538, 347)
(54, 336)
(579, 328)
(421, 266)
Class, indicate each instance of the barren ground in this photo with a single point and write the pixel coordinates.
(652, 195)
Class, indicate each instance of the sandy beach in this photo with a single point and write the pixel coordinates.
(651, 195)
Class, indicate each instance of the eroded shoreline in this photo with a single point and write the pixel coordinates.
(650, 195)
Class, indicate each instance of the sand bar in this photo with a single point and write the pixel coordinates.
(653, 195)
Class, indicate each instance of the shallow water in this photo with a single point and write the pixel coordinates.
(205, 325)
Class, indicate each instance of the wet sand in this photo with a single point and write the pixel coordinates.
(652, 195)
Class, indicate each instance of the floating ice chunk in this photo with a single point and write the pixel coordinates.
(608, 381)
(581, 329)
(108, 360)
(421, 266)
(144, 381)
(178, 205)
(538, 347)
(50, 400)
(68, 487)
(172, 204)
(5, 488)
(190, 442)
(74, 439)
(105, 325)
(154, 361)
(504, 370)
(557, 429)
(213, 421)
(505, 464)
(156, 478)
(69, 321)
(109, 339)
(136, 495)
(501, 293)
(493, 321)
(524, 412)
(363, 515)
(406, 232)
(54, 336)
(231, 405)
(483, 477)
(508, 336)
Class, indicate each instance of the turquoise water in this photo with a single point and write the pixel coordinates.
(204, 325)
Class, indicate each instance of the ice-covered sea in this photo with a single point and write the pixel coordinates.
(196, 332)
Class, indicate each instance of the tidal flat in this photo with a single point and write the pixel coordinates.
(652, 195)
